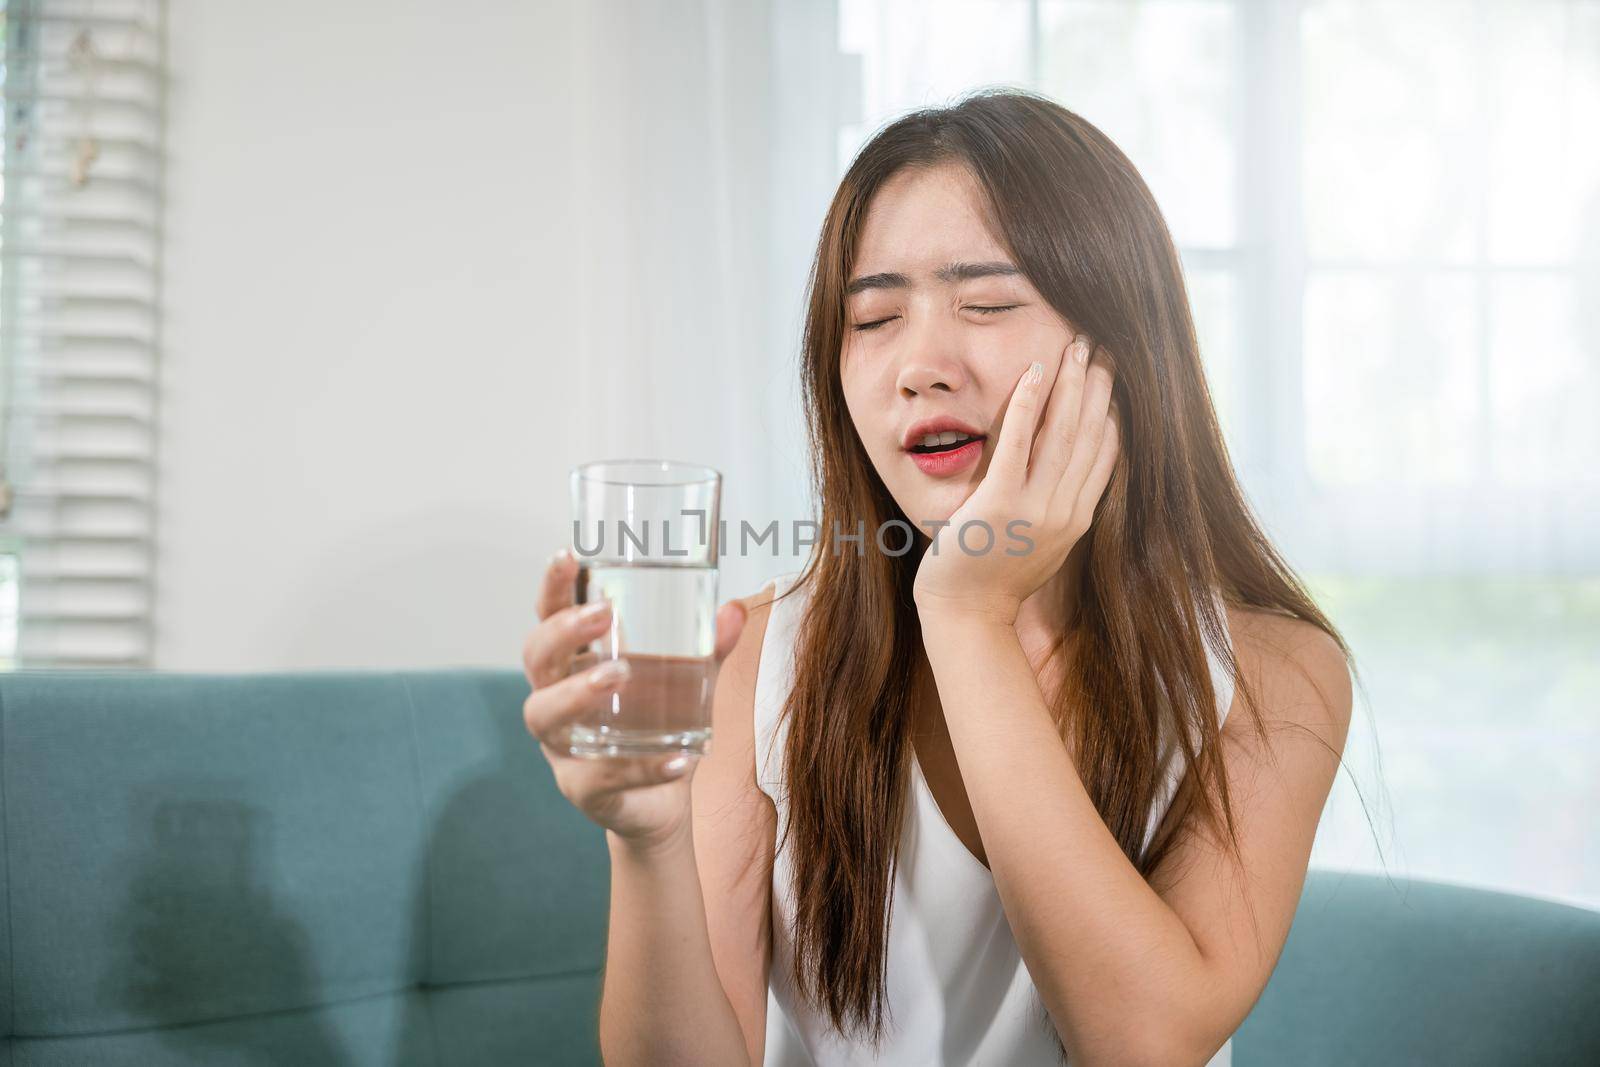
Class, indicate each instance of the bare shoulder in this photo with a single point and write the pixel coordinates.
(726, 776)
(736, 678)
(1298, 671)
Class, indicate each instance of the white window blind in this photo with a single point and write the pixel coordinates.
(79, 270)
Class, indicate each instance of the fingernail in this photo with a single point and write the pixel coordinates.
(675, 764)
(1081, 352)
(609, 673)
(1036, 373)
(560, 556)
(591, 612)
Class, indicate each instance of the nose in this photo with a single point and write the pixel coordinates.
(927, 373)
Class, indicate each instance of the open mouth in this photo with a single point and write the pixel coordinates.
(943, 446)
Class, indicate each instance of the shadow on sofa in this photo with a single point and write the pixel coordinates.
(376, 868)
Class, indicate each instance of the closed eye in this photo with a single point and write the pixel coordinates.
(971, 307)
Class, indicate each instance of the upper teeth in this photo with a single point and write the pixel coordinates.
(945, 438)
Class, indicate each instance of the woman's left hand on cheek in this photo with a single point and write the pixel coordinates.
(1044, 491)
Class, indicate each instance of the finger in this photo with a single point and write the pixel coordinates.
(549, 710)
(1016, 428)
(556, 590)
(635, 773)
(1105, 464)
(1058, 435)
(730, 624)
(548, 651)
(586, 780)
(1090, 433)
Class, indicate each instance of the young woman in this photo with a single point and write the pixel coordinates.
(1050, 798)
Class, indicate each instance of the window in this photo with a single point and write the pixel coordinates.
(1389, 217)
(80, 221)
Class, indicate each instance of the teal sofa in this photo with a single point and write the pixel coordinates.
(376, 868)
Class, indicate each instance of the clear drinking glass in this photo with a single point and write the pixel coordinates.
(645, 535)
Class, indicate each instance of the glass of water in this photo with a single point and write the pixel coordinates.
(645, 535)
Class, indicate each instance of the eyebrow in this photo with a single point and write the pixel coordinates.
(953, 272)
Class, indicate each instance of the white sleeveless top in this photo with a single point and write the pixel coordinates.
(958, 990)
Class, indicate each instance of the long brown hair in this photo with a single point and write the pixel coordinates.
(1172, 525)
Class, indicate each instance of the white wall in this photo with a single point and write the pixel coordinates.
(388, 337)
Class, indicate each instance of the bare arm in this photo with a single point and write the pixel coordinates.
(688, 948)
(662, 1001)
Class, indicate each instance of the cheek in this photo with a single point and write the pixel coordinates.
(868, 418)
(1010, 354)
(851, 390)
(859, 408)
(860, 387)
